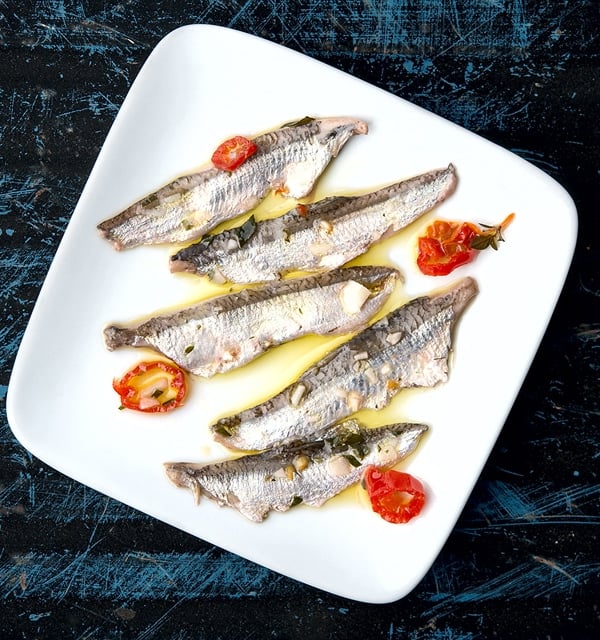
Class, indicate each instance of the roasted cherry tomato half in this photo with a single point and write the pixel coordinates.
(152, 387)
(396, 496)
(230, 154)
(447, 245)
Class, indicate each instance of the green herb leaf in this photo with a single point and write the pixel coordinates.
(149, 201)
(229, 429)
(489, 238)
(298, 123)
(480, 242)
(352, 460)
(246, 231)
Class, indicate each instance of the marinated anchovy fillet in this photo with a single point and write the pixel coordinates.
(315, 237)
(407, 348)
(308, 473)
(288, 160)
(221, 333)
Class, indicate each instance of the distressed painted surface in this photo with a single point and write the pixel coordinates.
(523, 560)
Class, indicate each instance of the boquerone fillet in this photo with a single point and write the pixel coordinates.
(314, 237)
(288, 160)
(408, 347)
(309, 473)
(228, 331)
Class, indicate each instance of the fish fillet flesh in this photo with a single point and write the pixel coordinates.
(409, 347)
(309, 473)
(288, 160)
(228, 331)
(314, 237)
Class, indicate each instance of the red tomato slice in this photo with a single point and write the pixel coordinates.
(446, 246)
(152, 387)
(396, 496)
(230, 154)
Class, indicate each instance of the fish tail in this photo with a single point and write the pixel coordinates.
(113, 229)
(181, 477)
(116, 337)
(464, 291)
(106, 232)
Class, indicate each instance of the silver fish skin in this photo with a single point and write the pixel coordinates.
(309, 473)
(409, 347)
(228, 331)
(315, 237)
(289, 160)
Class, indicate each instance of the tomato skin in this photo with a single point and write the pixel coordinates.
(229, 155)
(446, 246)
(137, 387)
(396, 496)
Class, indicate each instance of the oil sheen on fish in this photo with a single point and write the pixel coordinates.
(409, 347)
(315, 237)
(228, 331)
(288, 160)
(309, 473)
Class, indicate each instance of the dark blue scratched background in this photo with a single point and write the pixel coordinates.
(523, 561)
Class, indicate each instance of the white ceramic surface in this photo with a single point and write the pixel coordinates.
(185, 101)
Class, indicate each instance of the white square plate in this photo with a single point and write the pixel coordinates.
(185, 101)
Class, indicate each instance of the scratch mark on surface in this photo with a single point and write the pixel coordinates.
(521, 583)
(59, 499)
(145, 557)
(555, 566)
(97, 26)
(186, 576)
(510, 505)
(98, 521)
(155, 626)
